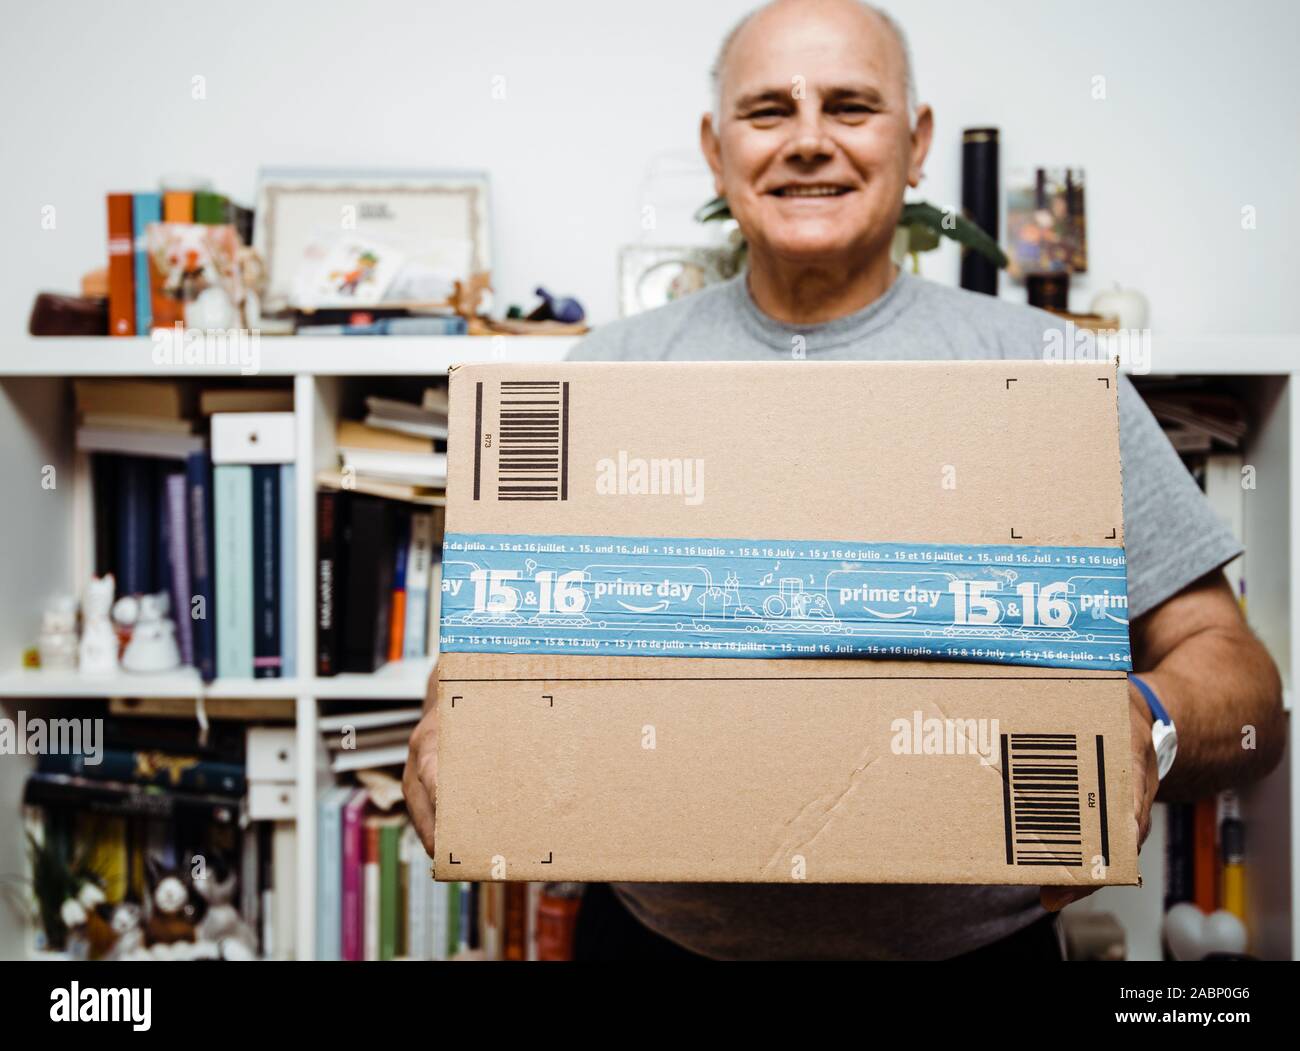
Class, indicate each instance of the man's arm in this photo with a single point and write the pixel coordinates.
(1219, 685)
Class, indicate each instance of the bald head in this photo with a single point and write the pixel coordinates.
(754, 22)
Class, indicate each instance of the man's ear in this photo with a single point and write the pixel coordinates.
(712, 150)
(922, 134)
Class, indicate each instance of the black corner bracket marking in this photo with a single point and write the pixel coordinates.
(1114, 534)
(550, 858)
(1011, 381)
(548, 698)
(1015, 535)
(1105, 380)
(452, 859)
(457, 697)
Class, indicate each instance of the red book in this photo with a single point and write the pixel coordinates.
(121, 266)
(1205, 855)
(354, 835)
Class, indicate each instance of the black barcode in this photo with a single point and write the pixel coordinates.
(533, 440)
(1041, 799)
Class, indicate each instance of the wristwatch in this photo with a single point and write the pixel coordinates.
(1164, 737)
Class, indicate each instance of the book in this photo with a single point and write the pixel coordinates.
(233, 580)
(209, 208)
(158, 398)
(188, 773)
(329, 872)
(351, 435)
(288, 573)
(266, 571)
(427, 469)
(353, 933)
(284, 845)
(370, 539)
(368, 758)
(418, 562)
(103, 489)
(139, 443)
(178, 537)
(178, 206)
(128, 422)
(146, 208)
(331, 569)
(390, 871)
(120, 797)
(245, 399)
(121, 266)
(136, 527)
(419, 896)
(426, 496)
(514, 932)
(367, 720)
(397, 612)
(398, 326)
(370, 882)
(201, 612)
(1205, 854)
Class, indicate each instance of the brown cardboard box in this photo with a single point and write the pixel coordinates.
(826, 769)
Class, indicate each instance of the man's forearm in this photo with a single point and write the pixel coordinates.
(1223, 692)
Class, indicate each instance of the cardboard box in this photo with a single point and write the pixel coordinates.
(582, 758)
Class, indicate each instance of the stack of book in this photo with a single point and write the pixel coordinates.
(399, 450)
(378, 579)
(376, 900)
(167, 248)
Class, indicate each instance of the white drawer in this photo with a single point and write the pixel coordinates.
(272, 753)
(252, 437)
(272, 801)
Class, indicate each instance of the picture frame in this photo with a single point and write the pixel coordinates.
(651, 276)
(370, 239)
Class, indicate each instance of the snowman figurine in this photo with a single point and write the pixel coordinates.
(153, 634)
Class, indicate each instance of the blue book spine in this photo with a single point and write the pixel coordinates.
(136, 525)
(266, 570)
(329, 874)
(146, 208)
(232, 505)
(288, 574)
(202, 614)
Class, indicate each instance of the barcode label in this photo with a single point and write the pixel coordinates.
(531, 440)
(1041, 799)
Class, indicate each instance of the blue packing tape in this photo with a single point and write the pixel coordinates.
(1062, 607)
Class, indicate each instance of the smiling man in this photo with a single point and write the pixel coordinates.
(814, 138)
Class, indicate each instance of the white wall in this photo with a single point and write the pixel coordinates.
(1201, 117)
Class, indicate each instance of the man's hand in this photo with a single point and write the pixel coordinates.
(1146, 780)
(419, 779)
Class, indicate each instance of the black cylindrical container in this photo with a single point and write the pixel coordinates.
(979, 203)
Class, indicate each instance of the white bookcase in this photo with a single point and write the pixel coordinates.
(49, 548)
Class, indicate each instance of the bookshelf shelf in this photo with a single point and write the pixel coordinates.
(275, 355)
(53, 531)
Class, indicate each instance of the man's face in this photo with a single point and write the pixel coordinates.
(814, 148)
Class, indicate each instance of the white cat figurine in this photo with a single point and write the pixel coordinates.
(98, 639)
(153, 638)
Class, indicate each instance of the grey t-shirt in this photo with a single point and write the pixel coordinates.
(1172, 537)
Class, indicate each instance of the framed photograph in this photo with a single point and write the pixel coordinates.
(652, 275)
(1046, 228)
(370, 239)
